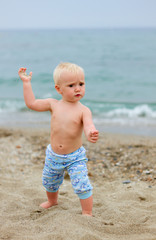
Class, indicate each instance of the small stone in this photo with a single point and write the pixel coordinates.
(18, 146)
(142, 198)
(109, 223)
(117, 164)
(126, 182)
(149, 179)
(90, 174)
(132, 176)
(138, 172)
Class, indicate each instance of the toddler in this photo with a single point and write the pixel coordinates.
(69, 118)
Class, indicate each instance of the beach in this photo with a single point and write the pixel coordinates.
(121, 168)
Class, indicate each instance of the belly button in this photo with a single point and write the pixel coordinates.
(60, 146)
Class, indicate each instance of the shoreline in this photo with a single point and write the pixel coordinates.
(38, 120)
(125, 130)
(121, 169)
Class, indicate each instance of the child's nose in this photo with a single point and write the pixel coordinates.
(77, 88)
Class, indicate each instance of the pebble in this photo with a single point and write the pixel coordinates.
(147, 172)
(138, 172)
(126, 182)
(117, 164)
(142, 198)
(18, 146)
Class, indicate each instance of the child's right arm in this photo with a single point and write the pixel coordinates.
(30, 101)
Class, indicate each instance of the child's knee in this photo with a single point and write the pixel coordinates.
(82, 187)
(50, 187)
(52, 183)
(80, 181)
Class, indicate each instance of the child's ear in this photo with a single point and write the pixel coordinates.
(57, 87)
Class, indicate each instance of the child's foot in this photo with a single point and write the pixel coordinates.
(48, 204)
(87, 214)
(87, 205)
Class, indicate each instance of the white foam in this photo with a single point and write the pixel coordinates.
(141, 111)
(139, 116)
(11, 105)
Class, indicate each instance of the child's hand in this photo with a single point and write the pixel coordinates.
(23, 76)
(93, 136)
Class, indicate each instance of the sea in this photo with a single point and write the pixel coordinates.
(120, 74)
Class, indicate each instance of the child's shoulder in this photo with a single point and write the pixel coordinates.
(52, 102)
(85, 108)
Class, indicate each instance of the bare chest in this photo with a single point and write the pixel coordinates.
(66, 117)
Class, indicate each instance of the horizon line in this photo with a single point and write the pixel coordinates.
(80, 28)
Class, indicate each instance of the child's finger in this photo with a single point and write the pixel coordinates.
(95, 132)
(94, 137)
(93, 141)
(20, 70)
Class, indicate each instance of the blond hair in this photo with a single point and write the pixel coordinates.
(66, 66)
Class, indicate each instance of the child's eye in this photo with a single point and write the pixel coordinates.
(71, 85)
(81, 84)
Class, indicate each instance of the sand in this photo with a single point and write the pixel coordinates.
(122, 170)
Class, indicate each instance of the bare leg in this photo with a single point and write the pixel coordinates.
(52, 200)
(87, 205)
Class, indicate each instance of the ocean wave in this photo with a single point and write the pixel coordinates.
(12, 105)
(138, 116)
(141, 111)
(103, 113)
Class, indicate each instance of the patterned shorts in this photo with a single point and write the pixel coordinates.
(75, 164)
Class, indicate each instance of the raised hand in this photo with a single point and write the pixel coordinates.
(23, 76)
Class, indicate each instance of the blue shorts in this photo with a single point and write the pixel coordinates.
(75, 164)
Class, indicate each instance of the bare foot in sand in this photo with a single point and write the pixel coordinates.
(88, 215)
(87, 205)
(48, 204)
(52, 200)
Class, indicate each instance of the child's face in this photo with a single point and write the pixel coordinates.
(71, 86)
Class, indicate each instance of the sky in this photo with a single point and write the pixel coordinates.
(49, 14)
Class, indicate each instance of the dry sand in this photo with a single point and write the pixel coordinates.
(122, 170)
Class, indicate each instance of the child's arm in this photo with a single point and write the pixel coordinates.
(30, 101)
(89, 129)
